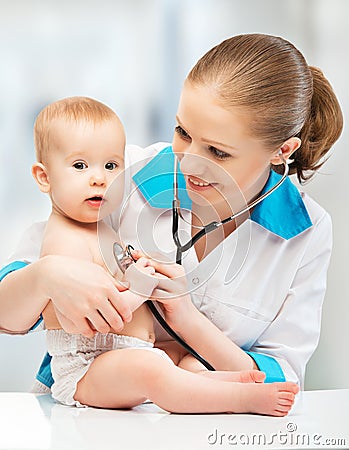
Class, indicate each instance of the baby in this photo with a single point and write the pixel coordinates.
(80, 145)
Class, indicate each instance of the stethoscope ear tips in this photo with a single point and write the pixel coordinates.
(287, 161)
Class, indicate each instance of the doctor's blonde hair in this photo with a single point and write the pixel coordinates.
(284, 96)
(71, 109)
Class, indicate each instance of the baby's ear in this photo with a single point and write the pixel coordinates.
(40, 175)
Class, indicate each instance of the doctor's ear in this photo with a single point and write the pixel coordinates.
(40, 175)
(287, 149)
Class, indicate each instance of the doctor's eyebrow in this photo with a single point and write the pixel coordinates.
(208, 141)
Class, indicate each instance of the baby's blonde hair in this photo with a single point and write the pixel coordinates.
(72, 109)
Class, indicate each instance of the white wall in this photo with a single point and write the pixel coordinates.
(134, 56)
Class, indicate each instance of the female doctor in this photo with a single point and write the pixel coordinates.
(248, 105)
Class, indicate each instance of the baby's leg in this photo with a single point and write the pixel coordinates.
(125, 378)
(188, 362)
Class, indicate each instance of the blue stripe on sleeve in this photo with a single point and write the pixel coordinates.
(44, 374)
(37, 323)
(269, 366)
(11, 268)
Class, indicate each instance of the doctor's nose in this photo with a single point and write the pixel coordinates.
(192, 162)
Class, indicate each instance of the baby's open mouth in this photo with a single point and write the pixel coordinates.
(95, 201)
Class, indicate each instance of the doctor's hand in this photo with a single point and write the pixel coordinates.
(86, 298)
(172, 293)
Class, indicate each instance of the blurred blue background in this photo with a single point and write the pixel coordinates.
(134, 56)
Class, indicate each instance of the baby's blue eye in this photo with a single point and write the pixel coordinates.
(111, 166)
(80, 165)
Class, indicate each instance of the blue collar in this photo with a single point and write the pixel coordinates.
(283, 212)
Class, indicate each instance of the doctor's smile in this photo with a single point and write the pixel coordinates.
(196, 183)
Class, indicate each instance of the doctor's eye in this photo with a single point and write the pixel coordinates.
(111, 165)
(80, 165)
(182, 133)
(218, 153)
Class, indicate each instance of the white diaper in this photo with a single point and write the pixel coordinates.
(73, 354)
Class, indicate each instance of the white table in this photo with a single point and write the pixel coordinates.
(320, 419)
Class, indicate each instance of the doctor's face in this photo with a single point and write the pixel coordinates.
(224, 166)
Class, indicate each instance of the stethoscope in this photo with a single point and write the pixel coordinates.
(204, 230)
(124, 258)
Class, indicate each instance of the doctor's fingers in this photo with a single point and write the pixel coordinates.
(115, 309)
(170, 270)
(67, 324)
(91, 320)
(82, 326)
(103, 306)
(99, 322)
(112, 303)
(168, 288)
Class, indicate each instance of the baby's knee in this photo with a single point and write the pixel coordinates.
(189, 363)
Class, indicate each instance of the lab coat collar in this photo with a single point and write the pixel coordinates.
(155, 181)
(282, 213)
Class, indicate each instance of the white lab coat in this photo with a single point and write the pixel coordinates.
(263, 291)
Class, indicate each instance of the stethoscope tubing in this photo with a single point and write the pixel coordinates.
(176, 213)
(176, 337)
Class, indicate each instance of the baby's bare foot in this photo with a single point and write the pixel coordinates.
(274, 399)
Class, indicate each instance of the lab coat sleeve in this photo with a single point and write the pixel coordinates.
(293, 335)
(29, 245)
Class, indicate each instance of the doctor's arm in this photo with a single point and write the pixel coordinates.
(293, 335)
(285, 347)
(18, 285)
(195, 328)
(78, 289)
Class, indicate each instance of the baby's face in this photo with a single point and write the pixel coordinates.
(85, 167)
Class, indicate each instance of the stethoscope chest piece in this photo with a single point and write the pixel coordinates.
(123, 256)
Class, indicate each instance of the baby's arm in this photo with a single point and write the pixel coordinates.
(142, 281)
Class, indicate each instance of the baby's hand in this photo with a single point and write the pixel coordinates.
(144, 265)
(141, 277)
(138, 255)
